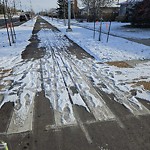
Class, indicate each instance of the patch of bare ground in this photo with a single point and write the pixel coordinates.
(120, 64)
(2, 87)
(3, 74)
(145, 84)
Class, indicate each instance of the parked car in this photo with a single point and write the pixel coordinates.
(23, 17)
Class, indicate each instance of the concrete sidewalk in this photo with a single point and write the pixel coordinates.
(119, 130)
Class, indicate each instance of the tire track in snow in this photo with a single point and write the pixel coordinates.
(56, 91)
(70, 96)
(134, 106)
(92, 99)
(60, 100)
(101, 113)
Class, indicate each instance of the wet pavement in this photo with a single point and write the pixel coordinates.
(109, 127)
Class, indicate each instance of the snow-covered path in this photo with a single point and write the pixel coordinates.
(72, 79)
(69, 79)
(65, 85)
(63, 94)
(126, 78)
(69, 76)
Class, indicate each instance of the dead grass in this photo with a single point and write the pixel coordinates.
(5, 73)
(2, 87)
(5, 83)
(145, 84)
(120, 64)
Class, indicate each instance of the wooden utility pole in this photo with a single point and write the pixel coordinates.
(4, 11)
(75, 8)
(94, 18)
(9, 23)
(64, 11)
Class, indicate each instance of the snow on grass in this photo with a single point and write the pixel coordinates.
(24, 78)
(23, 34)
(120, 29)
(128, 79)
(115, 50)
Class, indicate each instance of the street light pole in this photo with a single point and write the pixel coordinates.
(64, 4)
(9, 20)
(69, 16)
(94, 19)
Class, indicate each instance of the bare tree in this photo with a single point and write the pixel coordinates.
(100, 3)
(93, 7)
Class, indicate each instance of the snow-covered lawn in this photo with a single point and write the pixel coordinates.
(117, 49)
(23, 34)
(120, 29)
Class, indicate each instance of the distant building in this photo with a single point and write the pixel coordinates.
(105, 13)
(109, 13)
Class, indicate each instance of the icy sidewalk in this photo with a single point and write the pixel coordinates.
(26, 75)
(17, 83)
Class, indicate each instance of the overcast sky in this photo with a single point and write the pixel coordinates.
(39, 5)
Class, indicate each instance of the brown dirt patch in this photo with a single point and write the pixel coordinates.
(145, 84)
(120, 64)
(2, 87)
(5, 73)
(4, 83)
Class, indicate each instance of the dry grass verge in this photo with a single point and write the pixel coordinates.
(145, 84)
(120, 64)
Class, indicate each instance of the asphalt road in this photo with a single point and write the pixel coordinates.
(16, 22)
(112, 127)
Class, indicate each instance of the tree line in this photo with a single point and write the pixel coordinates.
(139, 13)
(92, 7)
(1, 8)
